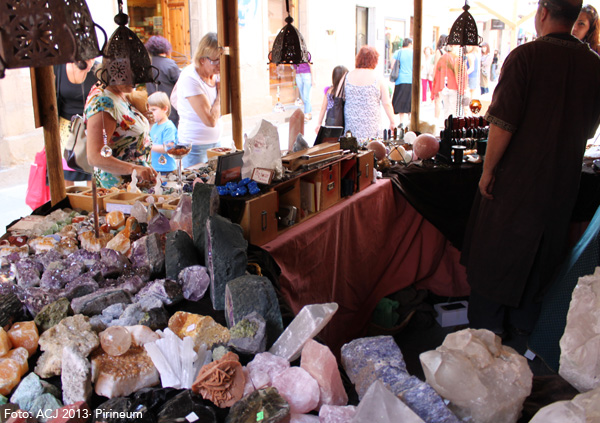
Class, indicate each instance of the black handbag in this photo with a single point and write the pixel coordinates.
(395, 70)
(335, 115)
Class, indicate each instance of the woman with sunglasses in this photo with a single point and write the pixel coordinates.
(197, 99)
(586, 27)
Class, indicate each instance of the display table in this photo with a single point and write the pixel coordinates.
(367, 246)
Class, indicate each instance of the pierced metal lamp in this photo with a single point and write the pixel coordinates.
(126, 61)
(463, 33)
(35, 33)
(289, 47)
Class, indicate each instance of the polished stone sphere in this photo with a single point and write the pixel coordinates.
(426, 146)
(378, 149)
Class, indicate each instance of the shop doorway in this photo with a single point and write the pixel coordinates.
(395, 31)
(168, 18)
(281, 77)
(362, 26)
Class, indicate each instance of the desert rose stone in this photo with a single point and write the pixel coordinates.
(320, 363)
(483, 380)
(580, 344)
(251, 293)
(306, 325)
(299, 389)
(225, 256)
(581, 409)
(336, 414)
(381, 406)
(194, 281)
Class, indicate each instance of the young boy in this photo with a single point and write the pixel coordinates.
(162, 133)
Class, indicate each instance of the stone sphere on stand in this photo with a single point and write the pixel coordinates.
(426, 146)
(378, 149)
(410, 137)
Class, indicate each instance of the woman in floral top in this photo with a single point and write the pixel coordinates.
(127, 129)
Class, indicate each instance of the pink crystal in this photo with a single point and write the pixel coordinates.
(249, 387)
(265, 367)
(182, 216)
(320, 363)
(336, 414)
(303, 418)
(298, 388)
(115, 340)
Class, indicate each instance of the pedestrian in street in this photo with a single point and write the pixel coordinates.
(494, 68)
(305, 82)
(426, 73)
(517, 232)
(486, 64)
(336, 78)
(445, 83)
(159, 49)
(439, 52)
(401, 99)
(586, 27)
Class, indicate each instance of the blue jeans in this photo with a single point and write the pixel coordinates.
(304, 83)
(197, 155)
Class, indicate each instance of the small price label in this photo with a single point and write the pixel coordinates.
(262, 175)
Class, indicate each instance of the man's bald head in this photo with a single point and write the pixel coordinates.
(563, 11)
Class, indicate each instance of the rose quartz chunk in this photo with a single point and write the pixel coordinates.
(336, 414)
(299, 389)
(303, 418)
(320, 363)
(265, 367)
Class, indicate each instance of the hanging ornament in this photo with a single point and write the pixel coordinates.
(162, 160)
(106, 151)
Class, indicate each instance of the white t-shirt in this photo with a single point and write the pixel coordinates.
(191, 128)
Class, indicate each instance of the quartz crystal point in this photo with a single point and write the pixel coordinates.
(379, 405)
(225, 256)
(176, 360)
(159, 223)
(580, 343)
(140, 212)
(182, 216)
(194, 281)
(205, 203)
(306, 325)
(299, 389)
(320, 363)
(251, 293)
(76, 377)
(484, 381)
(266, 403)
(379, 358)
(584, 408)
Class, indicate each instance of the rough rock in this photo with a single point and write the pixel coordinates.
(180, 252)
(584, 408)
(307, 324)
(381, 406)
(44, 406)
(266, 403)
(149, 252)
(28, 272)
(166, 290)
(36, 298)
(299, 389)
(184, 406)
(76, 378)
(30, 388)
(483, 380)
(321, 364)
(202, 329)
(264, 368)
(194, 281)
(336, 414)
(95, 302)
(74, 331)
(225, 256)
(205, 203)
(248, 336)
(82, 285)
(52, 314)
(580, 343)
(250, 293)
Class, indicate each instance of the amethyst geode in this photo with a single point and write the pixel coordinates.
(225, 256)
(205, 203)
(149, 252)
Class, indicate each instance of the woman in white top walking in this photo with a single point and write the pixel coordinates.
(197, 97)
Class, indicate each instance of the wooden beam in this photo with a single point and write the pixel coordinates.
(44, 94)
(503, 18)
(416, 74)
(231, 90)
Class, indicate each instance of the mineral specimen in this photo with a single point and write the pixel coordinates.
(95, 302)
(5, 342)
(225, 256)
(205, 203)
(180, 253)
(202, 329)
(221, 381)
(9, 375)
(119, 243)
(149, 251)
(24, 334)
(122, 375)
(320, 363)
(20, 356)
(78, 412)
(306, 325)
(44, 406)
(28, 272)
(158, 224)
(381, 406)
(89, 241)
(580, 343)
(251, 293)
(73, 331)
(115, 340)
(186, 406)
(115, 219)
(52, 314)
(182, 216)
(483, 380)
(36, 298)
(166, 290)
(30, 388)
(265, 367)
(299, 389)
(11, 307)
(248, 336)
(76, 378)
(336, 414)
(583, 408)
(194, 281)
(265, 404)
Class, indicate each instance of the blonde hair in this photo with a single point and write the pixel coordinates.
(207, 47)
(160, 99)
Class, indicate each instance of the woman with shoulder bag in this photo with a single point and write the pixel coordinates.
(328, 100)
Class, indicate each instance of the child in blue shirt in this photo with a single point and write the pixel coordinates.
(162, 133)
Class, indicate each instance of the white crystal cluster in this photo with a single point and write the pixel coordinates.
(175, 359)
(580, 344)
(485, 381)
(584, 408)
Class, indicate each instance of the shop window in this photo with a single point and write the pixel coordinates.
(395, 31)
(362, 26)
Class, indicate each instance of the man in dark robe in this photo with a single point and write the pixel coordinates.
(545, 107)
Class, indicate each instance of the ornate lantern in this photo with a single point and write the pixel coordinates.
(35, 33)
(289, 47)
(126, 61)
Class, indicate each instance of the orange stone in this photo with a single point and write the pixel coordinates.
(5, 344)
(26, 335)
(115, 219)
(202, 329)
(9, 375)
(20, 355)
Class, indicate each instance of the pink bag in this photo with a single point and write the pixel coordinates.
(38, 193)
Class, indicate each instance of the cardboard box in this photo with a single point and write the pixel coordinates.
(452, 314)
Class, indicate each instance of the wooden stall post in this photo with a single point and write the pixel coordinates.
(416, 75)
(46, 116)
(231, 90)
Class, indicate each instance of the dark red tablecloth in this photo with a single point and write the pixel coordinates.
(367, 246)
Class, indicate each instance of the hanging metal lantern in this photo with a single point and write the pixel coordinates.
(463, 33)
(289, 47)
(126, 61)
(36, 33)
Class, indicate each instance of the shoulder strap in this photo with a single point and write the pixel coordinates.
(340, 88)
